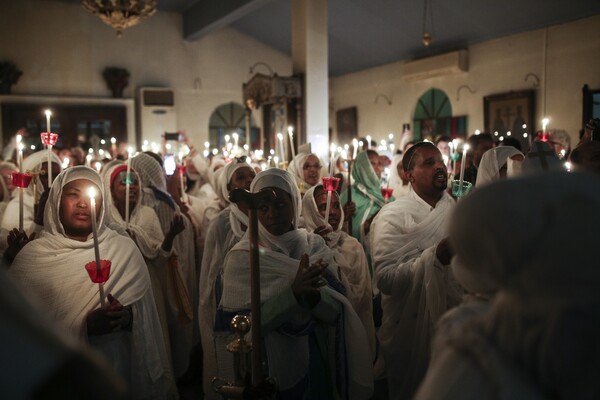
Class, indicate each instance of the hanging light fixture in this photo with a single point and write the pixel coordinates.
(427, 39)
(120, 14)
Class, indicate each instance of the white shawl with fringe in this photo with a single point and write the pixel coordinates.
(417, 289)
(52, 267)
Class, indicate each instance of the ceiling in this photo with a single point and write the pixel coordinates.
(368, 33)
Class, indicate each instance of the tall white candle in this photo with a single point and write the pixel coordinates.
(48, 115)
(235, 143)
(281, 149)
(21, 190)
(368, 142)
(355, 145)
(332, 161)
(92, 194)
(48, 129)
(129, 151)
(462, 167)
(291, 135)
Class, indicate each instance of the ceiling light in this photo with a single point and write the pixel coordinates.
(120, 14)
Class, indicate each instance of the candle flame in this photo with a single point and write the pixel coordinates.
(290, 130)
(466, 148)
(234, 136)
(113, 140)
(129, 151)
(280, 136)
(92, 192)
(48, 113)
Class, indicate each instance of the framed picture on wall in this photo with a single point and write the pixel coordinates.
(347, 124)
(510, 115)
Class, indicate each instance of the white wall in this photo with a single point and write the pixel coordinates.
(495, 66)
(62, 50)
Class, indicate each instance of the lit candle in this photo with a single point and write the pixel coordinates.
(92, 194)
(113, 146)
(281, 149)
(98, 166)
(129, 151)
(291, 135)
(66, 162)
(332, 148)
(19, 138)
(369, 142)
(545, 135)
(21, 189)
(235, 143)
(48, 115)
(88, 160)
(355, 145)
(462, 167)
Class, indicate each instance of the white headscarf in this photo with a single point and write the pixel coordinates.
(236, 213)
(275, 177)
(400, 189)
(143, 222)
(12, 167)
(492, 161)
(296, 168)
(313, 219)
(279, 265)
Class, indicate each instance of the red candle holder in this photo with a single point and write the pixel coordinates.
(49, 138)
(181, 169)
(544, 136)
(20, 179)
(93, 271)
(331, 183)
(386, 193)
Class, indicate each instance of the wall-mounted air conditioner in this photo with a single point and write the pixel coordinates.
(441, 65)
(156, 113)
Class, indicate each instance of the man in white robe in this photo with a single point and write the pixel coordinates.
(411, 262)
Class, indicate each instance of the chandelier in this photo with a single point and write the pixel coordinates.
(121, 14)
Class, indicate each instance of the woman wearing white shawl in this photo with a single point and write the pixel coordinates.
(36, 163)
(494, 164)
(298, 316)
(224, 232)
(183, 331)
(400, 188)
(145, 230)
(52, 267)
(306, 170)
(539, 339)
(348, 254)
(6, 189)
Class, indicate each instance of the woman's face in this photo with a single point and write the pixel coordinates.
(311, 170)
(119, 189)
(75, 213)
(376, 164)
(277, 214)
(335, 211)
(241, 178)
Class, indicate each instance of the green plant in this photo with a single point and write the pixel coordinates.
(9, 75)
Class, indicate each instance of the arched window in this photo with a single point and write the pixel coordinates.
(433, 115)
(227, 119)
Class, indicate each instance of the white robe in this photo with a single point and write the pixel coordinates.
(184, 335)
(351, 259)
(416, 288)
(286, 334)
(52, 267)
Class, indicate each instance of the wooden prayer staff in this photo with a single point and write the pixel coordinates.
(260, 387)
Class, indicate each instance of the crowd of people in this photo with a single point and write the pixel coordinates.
(414, 292)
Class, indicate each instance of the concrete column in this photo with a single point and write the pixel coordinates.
(310, 58)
